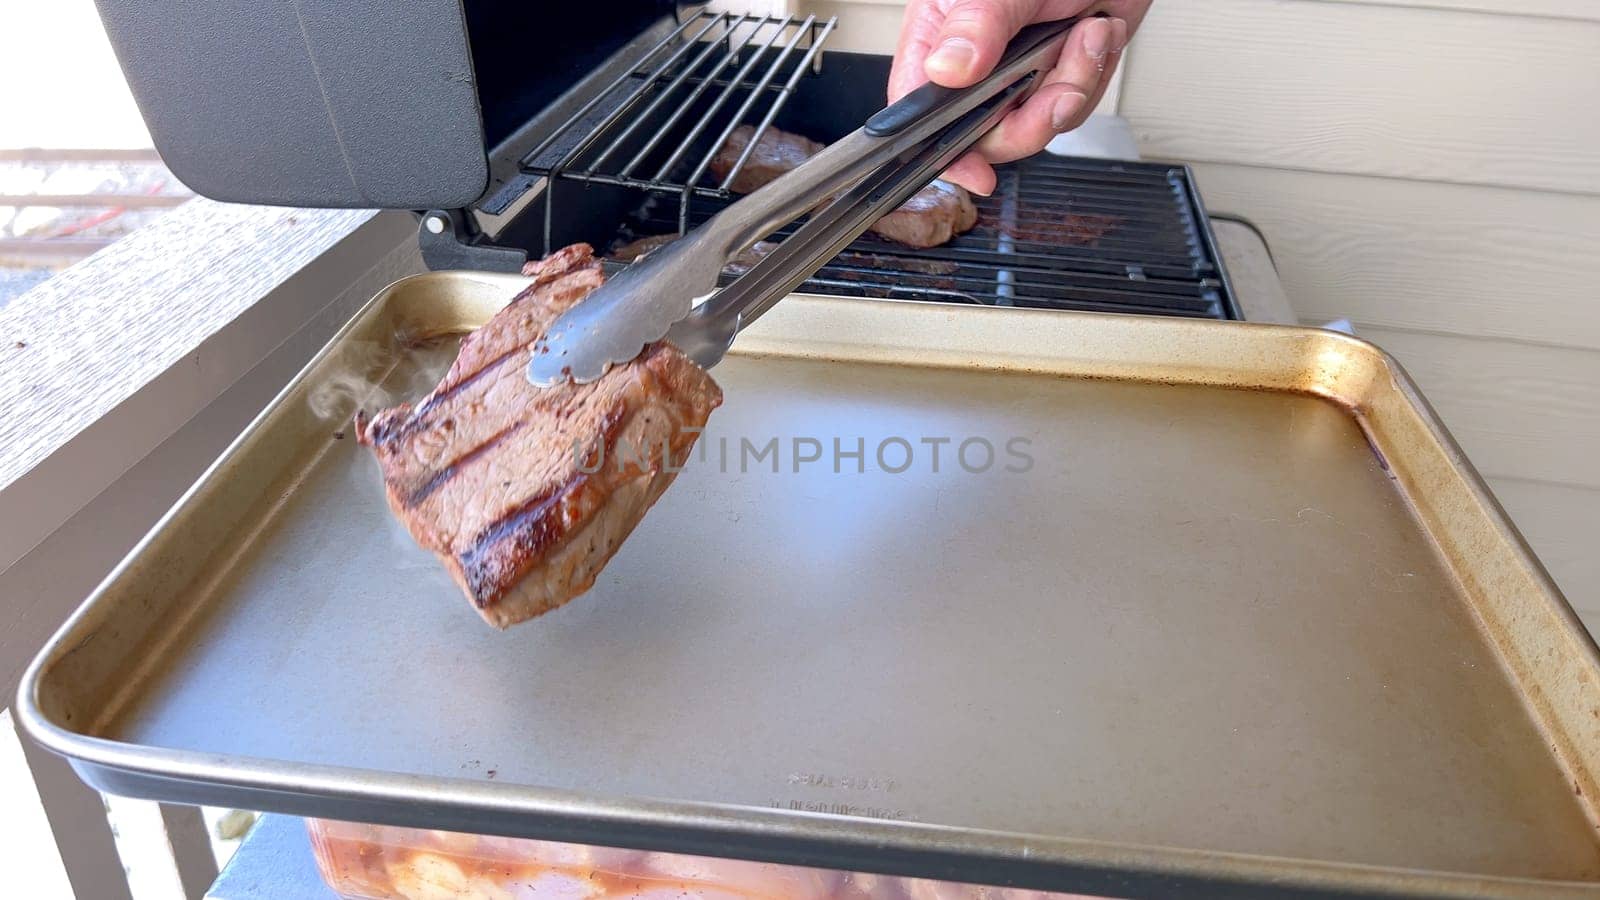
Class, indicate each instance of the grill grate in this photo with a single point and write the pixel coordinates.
(1058, 233)
(643, 130)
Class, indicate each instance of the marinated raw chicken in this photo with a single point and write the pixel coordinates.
(931, 217)
(524, 493)
(408, 864)
(749, 879)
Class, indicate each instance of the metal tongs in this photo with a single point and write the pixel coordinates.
(672, 292)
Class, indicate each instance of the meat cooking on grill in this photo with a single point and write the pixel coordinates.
(741, 262)
(776, 153)
(523, 492)
(878, 274)
(931, 217)
(634, 249)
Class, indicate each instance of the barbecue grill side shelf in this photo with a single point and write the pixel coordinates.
(73, 688)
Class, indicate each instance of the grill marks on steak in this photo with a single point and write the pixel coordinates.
(931, 217)
(485, 471)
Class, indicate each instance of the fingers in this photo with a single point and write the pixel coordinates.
(1027, 130)
(957, 42)
(1123, 32)
(1064, 99)
(972, 38)
(972, 172)
(919, 33)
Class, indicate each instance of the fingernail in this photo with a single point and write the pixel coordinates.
(1097, 38)
(1119, 35)
(1066, 108)
(954, 57)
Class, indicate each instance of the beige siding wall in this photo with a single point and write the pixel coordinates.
(866, 26)
(1429, 169)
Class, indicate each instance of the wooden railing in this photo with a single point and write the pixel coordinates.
(58, 248)
(257, 292)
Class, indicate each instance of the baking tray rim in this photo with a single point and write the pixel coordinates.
(784, 836)
(791, 837)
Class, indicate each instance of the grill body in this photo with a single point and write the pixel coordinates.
(1058, 233)
(516, 128)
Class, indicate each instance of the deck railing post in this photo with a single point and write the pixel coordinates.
(191, 849)
(82, 832)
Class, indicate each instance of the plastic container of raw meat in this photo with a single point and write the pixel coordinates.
(381, 862)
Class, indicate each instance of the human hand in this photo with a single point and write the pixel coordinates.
(956, 43)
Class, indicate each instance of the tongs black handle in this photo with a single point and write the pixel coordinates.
(930, 97)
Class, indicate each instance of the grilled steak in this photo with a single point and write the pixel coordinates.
(776, 153)
(931, 217)
(634, 249)
(524, 493)
(741, 262)
(894, 265)
(746, 259)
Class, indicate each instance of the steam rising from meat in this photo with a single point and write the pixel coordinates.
(364, 377)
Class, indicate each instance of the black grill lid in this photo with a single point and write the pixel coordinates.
(352, 103)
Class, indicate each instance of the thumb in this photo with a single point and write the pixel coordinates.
(972, 38)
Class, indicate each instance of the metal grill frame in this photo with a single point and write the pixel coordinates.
(673, 76)
(717, 70)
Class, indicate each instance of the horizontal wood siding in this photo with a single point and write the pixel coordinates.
(873, 26)
(1580, 10)
(1429, 169)
(1519, 411)
(1367, 89)
(1561, 522)
(1480, 261)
